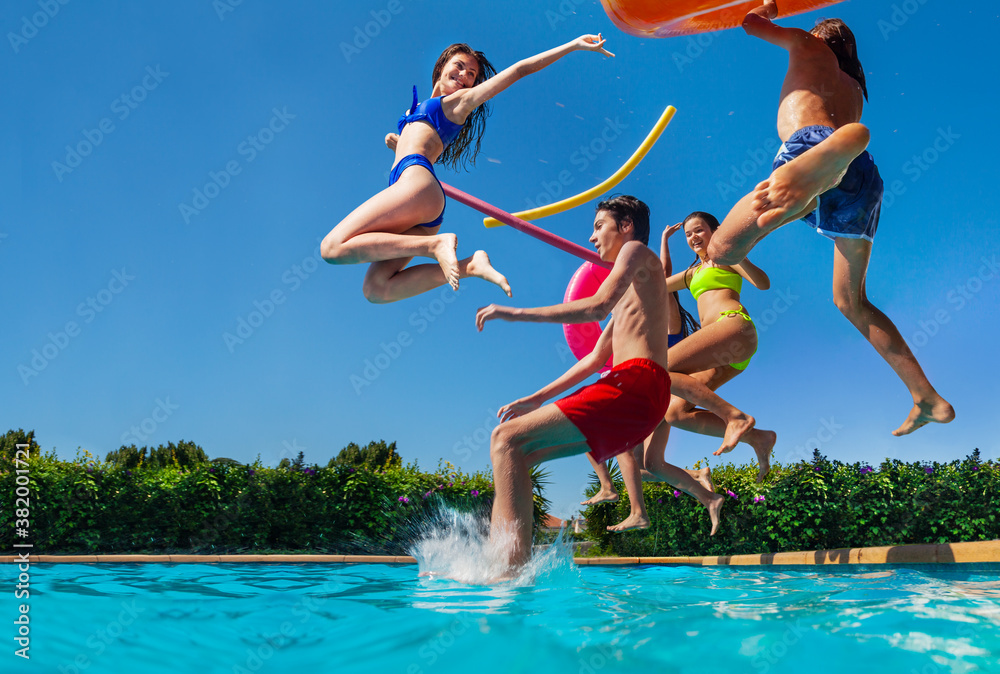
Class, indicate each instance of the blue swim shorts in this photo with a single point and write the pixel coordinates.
(851, 209)
(416, 160)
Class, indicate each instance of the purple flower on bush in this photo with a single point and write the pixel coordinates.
(975, 468)
(427, 494)
(211, 470)
(404, 499)
(677, 494)
(816, 469)
(474, 492)
(451, 484)
(659, 500)
(758, 499)
(128, 473)
(928, 469)
(350, 470)
(867, 469)
(90, 469)
(732, 495)
(251, 472)
(310, 471)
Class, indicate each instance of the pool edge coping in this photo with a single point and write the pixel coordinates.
(944, 553)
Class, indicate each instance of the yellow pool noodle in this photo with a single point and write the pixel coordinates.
(597, 190)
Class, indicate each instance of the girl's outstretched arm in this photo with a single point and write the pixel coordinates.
(588, 365)
(463, 102)
(752, 273)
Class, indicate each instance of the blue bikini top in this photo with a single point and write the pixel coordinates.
(430, 111)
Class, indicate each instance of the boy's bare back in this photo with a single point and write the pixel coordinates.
(816, 92)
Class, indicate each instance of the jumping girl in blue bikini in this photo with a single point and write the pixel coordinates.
(402, 221)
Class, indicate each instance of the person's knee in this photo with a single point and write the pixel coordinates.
(504, 441)
(375, 290)
(332, 249)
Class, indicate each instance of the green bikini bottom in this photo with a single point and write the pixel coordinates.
(738, 312)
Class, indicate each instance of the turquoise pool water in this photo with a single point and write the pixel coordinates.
(377, 618)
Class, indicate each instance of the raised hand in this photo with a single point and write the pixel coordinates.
(490, 313)
(390, 140)
(672, 229)
(592, 43)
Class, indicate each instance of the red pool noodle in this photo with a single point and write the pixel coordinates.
(524, 226)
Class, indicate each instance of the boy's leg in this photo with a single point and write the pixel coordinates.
(788, 194)
(516, 445)
(607, 492)
(630, 463)
(850, 266)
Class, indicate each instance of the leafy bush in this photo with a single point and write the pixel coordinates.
(125, 504)
(816, 505)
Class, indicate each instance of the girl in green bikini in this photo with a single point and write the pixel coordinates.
(714, 355)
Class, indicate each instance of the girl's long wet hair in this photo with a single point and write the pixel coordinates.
(456, 154)
(688, 322)
(840, 39)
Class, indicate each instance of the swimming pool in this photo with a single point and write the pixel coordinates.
(385, 618)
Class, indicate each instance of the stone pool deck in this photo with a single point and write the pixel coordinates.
(977, 552)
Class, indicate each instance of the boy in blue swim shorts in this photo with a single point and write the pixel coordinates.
(823, 175)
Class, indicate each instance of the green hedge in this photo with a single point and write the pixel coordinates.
(85, 506)
(817, 505)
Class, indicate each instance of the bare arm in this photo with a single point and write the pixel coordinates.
(632, 257)
(752, 273)
(588, 365)
(679, 281)
(668, 265)
(758, 23)
(462, 103)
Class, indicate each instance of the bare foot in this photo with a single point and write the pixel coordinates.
(443, 249)
(714, 510)
(939, 411)
(792, 187)
(629, 523)
(703, 476)
(479, 266)
(601, 497)
(762, 443)
(737, 427)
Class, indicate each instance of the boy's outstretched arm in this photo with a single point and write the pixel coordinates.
(632, 257)
(759, 23)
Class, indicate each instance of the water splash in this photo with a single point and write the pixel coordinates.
(456, 545)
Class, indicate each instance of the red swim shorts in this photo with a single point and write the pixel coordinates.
(620, 410)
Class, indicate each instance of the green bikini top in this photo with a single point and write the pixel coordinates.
(714, 278)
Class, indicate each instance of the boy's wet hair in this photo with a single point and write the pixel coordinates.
(626, 207)
(456, 154)
(840, 39)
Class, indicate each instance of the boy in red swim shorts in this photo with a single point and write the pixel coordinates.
(618, 412)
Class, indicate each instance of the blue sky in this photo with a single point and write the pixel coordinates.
(121, 283)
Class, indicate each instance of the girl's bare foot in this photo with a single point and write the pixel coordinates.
(737, 427)
(443, 250)
(762, 443)
(601, 497)
(479, 266)
(631, 522)
(938, 410)
(792, 187)
(703, 476)
(714, 510)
